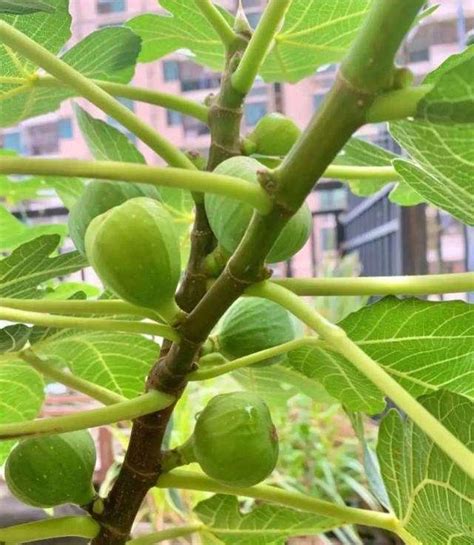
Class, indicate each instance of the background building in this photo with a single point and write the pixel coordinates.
(443, 33)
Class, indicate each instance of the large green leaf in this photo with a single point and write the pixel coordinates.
(452, 98)
(315, 33)
(30, 265)
(18, 93)
(106, 143)
(184, 27)
(277, 383)
(117, 361)
(13, 232)
(13, 338)
(21, 397)
(440, 139)
(430, 494)
(14, 191)
(22, 7)
(358, 152)
(108, 54)
(265, 524)
(423, 345)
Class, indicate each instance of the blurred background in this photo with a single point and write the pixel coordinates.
(352, 235)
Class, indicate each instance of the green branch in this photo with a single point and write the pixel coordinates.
(338, 340)
(398, 104)
(51, 528)
(86, 88)
(348, 172)
(345, 107)
(125, 410)
(208, 182)
(52, 371)
(244, 77)
(171, 533)
(90, 324)
(218, 370)
(73, 306)
(141, 94)
(217, 21)
(188, 480)
(382, 285)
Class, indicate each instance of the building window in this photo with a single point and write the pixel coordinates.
(420, 55)
(173, 118)
(193, 127)
(328, 238)
(251, 3)
(318, 100)
(254, 111)
(171, 70)
(42, 139)
(332, 199)
(110, 6)
(12, 141)
(204, 82)
(65, 128)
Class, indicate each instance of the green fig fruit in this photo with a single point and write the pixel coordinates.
(135, 251)
(53, 470)
(97, 198)
(252, 324)
(274, 134)
(234, 440)
(229, 218)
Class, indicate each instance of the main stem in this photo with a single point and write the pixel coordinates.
(142, 464)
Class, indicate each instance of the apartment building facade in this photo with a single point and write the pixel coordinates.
(57, 134)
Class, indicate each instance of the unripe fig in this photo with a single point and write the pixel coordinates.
(134, 250)
(97, 198)
(49, 471)
(253, 324)
(274, 134)
(230, 218)
(234, 440)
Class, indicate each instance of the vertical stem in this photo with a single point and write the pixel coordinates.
(216, 19)
(245, 74)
